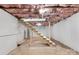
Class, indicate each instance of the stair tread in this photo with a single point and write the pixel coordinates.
(40, 34)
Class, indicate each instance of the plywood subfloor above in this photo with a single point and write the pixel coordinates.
(38, 48)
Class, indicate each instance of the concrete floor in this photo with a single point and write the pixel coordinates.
(36, 47)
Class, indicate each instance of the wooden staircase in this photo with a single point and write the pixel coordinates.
(45, 39)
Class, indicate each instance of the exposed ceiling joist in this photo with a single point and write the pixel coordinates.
(57, 11)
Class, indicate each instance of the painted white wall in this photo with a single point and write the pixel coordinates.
(43, 29)
(8, 23)
(21, 35)
(67, 32)
(7, 44)
(9, 26)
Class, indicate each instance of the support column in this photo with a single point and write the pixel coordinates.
(28, 34)
(49, 27)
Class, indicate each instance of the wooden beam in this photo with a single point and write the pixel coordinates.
(61, 7)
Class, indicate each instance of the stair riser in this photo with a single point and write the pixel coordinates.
(43, 37)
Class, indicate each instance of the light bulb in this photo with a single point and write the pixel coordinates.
(38, 24)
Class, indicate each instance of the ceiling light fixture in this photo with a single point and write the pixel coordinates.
(33, 19)
(43, 10)
(38, 24)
